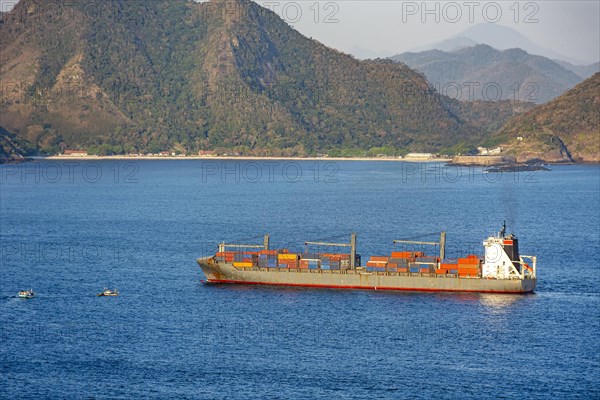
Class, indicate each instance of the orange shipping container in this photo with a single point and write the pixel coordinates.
(404, 270)
(376, 264)
(468, 266)
(379, 258)
(468, 261)
(404, 254)
(441, 271)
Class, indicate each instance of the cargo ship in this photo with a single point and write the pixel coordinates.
(501, 269)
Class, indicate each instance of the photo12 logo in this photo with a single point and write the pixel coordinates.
(292, 12)
(269, 172)
(470, 11)
(70, 172)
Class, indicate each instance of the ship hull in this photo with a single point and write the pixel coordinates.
(226, 273)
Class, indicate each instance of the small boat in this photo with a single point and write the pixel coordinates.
(26, 294)
(109, 293)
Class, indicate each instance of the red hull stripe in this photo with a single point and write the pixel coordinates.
(361, 287)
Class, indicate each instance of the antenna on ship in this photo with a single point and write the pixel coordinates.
(443, 245)
(503, 230)
(353, 251)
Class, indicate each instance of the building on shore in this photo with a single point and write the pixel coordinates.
(489, 152)
(420, 156)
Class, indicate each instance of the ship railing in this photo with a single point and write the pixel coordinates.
(528, 266)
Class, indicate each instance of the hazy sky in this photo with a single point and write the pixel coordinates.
(388, 27)
(571, 28)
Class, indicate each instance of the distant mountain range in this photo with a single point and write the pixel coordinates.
(565, 129)
(499, 37)
(584, 71)
(482, 72)
(132, 76)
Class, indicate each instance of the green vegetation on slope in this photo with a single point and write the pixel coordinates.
(566, 128)
(120, 76)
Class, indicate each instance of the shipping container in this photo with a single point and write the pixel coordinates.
(379, 258)
(376, 264)
(288, 256)
(243, 264)
(450, 261)
(468, 261)
(407, 254)
(310, 256)
(441, 271)
(429, 259)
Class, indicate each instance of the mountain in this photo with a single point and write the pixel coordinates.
(11, 151)
(499, 37)
(584, 71)
(539, 79)
(448, 45)
(129, 76)
(567, 128)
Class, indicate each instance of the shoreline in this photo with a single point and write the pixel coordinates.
(256, 158)
(242, 158)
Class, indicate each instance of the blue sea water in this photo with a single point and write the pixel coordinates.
(68, 229)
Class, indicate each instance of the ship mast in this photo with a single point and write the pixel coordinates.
(441, 243)
(352, 246)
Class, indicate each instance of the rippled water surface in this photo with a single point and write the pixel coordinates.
(70, 228)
